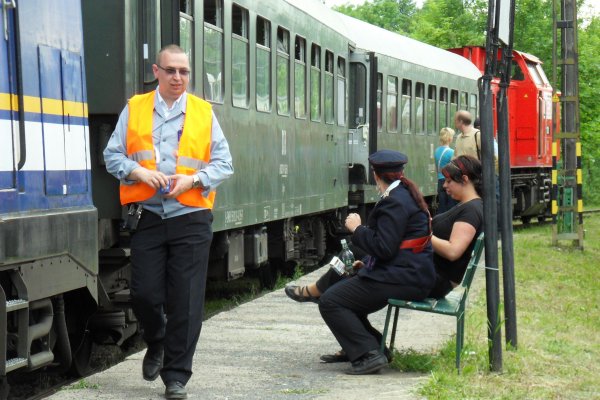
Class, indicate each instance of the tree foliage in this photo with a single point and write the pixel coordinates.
(393, 15)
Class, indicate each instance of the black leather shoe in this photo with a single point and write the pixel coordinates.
(153, 361)
(370, 363)
(175, 390)
(300, 294)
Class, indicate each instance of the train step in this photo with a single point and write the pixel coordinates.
(15, 363)
(16, 304)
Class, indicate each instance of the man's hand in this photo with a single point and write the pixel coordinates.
(154, 179)
(179, 183)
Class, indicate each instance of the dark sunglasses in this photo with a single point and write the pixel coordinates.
(172, 71)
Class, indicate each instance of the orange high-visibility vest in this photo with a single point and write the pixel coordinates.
(193, 153)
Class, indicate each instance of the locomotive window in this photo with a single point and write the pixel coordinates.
(357, 95)
(392, 104)
(341, 91)
(453, 102)
(534, 73)
(315, 82)
(213, 51)
(473, 105)
(151, 38)
(517, 72)
(186, 33)
(431, 109)
(406, 106)
(379, 101)
(540, 71)
(329, 92)
(239, 56)
(443, 107)
(300, 77)
(420, 108)
(263, 64)
(283, 71)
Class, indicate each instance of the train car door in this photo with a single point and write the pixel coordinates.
(9, 121)
(358, 117)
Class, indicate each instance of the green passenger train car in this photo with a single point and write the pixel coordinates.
(303, 95)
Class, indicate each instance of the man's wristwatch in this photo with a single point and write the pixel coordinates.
(196, 181)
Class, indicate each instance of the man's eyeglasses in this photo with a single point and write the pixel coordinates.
(172, 71)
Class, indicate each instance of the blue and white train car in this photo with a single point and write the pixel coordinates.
(48, 224)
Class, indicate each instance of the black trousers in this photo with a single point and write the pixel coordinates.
(169, 260)
(346, 304)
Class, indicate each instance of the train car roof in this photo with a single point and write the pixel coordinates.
(373, 38)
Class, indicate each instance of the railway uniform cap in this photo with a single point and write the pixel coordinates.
(388, 161)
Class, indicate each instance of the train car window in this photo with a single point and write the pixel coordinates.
(213, 12)
(263, 64)
(186, 33)
(473, 105)
(213, 51)
(534, 73)
(443, 107)
(517, 72)
(453, 103)
(379, 102)
(239, 56)
(464, 101)
(420, 108)
(283, 71)
(151, 37)
(357, 95)
(406, 106)
(392, 104)
(300, 77)
(341, 91)
(329, 90)
(315, 82)
(431, 109)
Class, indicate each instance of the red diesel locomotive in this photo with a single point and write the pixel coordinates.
(530, 130)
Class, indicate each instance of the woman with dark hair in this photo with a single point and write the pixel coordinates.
(456, 230)
(399, 265)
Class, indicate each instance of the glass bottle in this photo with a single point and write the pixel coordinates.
(347, 257)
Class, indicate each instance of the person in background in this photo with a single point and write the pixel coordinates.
(169, 154)
(443, 154)
(399, 265)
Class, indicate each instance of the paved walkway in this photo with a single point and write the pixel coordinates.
(269, 349)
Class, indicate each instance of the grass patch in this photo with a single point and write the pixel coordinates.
(82, 384)
(558, 321)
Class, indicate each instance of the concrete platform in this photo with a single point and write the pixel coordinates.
(269, 349)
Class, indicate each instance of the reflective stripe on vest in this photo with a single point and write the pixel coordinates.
(193, 152)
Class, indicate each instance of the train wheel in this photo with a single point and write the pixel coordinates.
(541, 218)
(526, 220)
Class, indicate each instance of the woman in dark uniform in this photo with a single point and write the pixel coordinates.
(399, 265)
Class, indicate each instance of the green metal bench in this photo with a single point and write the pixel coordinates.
(453, 304)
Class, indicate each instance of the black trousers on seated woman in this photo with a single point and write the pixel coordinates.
(345, 304)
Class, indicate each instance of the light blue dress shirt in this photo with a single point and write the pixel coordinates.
(166, 127)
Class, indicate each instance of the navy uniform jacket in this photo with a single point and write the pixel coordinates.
(393, 219)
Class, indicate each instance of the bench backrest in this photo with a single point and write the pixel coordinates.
(472, 267)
